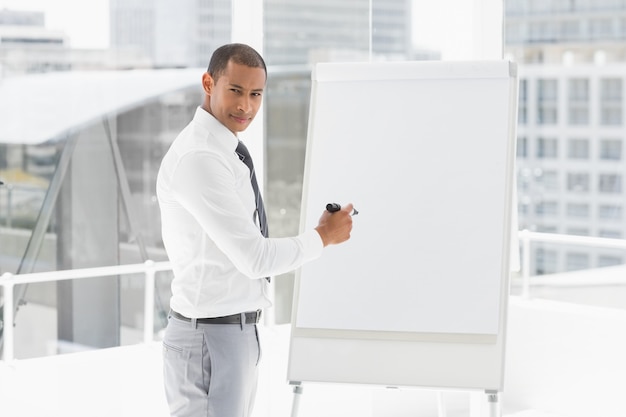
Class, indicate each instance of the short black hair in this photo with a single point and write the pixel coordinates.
(239, 53)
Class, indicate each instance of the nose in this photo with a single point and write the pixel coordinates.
(244, 105)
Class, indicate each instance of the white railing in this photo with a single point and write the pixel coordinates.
(149, 268)
(527, 236)
(8, 281)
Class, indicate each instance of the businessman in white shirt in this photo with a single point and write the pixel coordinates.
(214, 232)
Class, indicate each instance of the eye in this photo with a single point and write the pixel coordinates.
(235, 90)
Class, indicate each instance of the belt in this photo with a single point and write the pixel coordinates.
(252, 317)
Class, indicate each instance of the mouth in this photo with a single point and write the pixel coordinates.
(241, 120)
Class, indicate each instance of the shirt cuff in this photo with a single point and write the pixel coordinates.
(312, 245)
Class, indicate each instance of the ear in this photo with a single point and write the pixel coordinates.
(207, 83)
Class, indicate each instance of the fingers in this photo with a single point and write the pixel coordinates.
(348, 208)
(335, 227)
(343, 224)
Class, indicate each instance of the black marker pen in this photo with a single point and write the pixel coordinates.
(333, 207)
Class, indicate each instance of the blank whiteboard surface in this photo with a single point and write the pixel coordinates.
(425, 151)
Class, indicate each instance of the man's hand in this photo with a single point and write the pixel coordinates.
(335, 228)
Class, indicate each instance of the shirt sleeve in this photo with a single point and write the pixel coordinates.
(206, 186)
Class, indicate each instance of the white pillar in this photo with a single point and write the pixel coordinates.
(488, 29)
(247, 27)
(247, 23)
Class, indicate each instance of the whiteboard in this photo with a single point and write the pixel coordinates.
(425, 151)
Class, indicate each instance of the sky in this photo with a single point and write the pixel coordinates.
(437, 24)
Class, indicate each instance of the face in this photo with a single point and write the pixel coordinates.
(236, 97)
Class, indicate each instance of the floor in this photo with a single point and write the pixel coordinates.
(563, 360)
(126, 381)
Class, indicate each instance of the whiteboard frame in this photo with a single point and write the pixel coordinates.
(449, 360)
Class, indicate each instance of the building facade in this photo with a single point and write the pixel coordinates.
(185, 33)
(310, 31)
(26, 46)
(571, 124)
(170, 34)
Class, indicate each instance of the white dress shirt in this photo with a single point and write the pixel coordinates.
(209, 227)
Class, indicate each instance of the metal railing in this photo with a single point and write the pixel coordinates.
(526, 237)
(8, 281)
(149, 268)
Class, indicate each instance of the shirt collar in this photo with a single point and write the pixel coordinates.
(225, 138)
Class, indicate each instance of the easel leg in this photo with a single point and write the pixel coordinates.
(493, 403)
(297, 393)
(441, 405)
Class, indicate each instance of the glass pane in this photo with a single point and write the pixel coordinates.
(299, 34)
(578, 149)
(611, 149)
(570, 54)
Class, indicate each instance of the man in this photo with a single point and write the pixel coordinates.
(213, 231)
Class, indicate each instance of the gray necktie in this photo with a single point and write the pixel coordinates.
(244, 155)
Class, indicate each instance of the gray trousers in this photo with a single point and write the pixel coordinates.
(210, 370)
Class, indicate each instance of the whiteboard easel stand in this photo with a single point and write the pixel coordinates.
(297, 393)
(441, 404)
(493, 402)
(477, 404)
(324, 326)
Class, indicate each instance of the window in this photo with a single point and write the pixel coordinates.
(622, 27)
(547, 90)
(515, 6)
(576, 261)
(522, 109)
(514, 33)
(578, 182)
(611, 101)
(601, 28)
(610, 183)
(609, 212)
(607, 260)
(549, 180)
(154, 128)
(539, 6)
(543, 30)
(578, 104)
(611, 115)
(522, 147)
(547, 148)
(547, 93)
(570, 30)
(578, 114)
(547, 208)
(611, 90)
(578, 210)
(546, 261)
(578, 231)
(523, 180)
(611, 234)
(563, 5)
(578, 149)
(611, 149)
(522, 208)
